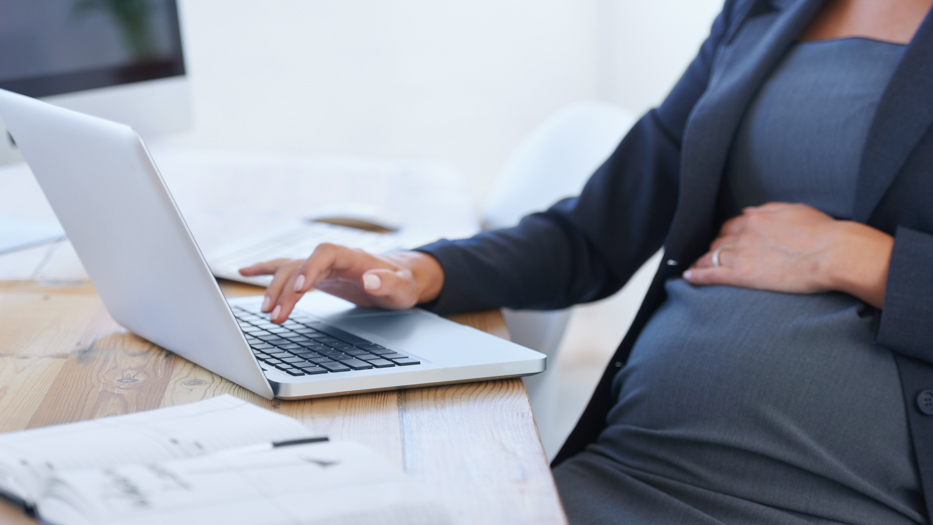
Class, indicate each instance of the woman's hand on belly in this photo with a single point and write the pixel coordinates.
(795, 248)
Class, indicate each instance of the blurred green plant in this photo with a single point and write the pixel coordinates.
(133, 17)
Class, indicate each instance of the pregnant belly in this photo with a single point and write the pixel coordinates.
(737, 390)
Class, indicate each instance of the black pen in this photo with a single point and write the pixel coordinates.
(262, 447)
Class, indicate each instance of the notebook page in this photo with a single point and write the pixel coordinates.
(332, 483)
(182, 431)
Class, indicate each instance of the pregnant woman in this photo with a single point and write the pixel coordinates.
(780, 370)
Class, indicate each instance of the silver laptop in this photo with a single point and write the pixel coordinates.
(150, 274)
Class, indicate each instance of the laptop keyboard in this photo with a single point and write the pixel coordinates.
(303, 346)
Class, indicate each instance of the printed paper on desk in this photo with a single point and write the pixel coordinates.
(327, 483)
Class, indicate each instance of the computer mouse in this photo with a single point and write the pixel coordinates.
(358, 215)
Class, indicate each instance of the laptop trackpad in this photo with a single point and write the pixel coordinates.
(397, 327)
(328, 307)
(413, 330)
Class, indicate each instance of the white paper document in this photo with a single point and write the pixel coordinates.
(207, 462)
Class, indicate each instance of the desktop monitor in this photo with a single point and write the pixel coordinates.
(118, 59)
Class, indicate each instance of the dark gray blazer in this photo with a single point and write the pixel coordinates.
(660, 188)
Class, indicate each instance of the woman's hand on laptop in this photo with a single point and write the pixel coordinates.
(396, 281)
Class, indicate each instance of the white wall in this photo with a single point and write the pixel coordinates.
(460, 81)
(644, 47)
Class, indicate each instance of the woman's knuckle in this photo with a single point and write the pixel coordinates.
(325, 247)
(744, 239)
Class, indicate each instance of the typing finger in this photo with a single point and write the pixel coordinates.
(278, 283)
(287, 299)
(263, 268)
(317, 267)
(324, 263)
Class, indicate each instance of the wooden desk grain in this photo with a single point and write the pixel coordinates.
(63, 358)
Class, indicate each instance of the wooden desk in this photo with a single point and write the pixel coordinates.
(62, 358)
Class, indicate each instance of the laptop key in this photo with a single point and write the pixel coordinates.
(307, 344)
(295, 372)
(334, 366)
(356, 364)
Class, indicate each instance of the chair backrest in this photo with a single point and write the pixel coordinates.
(555, 160)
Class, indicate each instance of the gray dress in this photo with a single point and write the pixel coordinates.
(746, 406)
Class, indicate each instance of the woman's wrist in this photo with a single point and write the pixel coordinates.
(861, 260)
(426, 272)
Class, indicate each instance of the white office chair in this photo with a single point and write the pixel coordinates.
(554, 161)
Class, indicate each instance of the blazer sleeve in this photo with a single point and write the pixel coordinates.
(906, 324)
(585, 248)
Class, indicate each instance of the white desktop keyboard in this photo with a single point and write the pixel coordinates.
(293, 241)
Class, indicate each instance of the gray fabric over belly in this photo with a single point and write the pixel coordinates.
(746, 406)
(759, 407)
